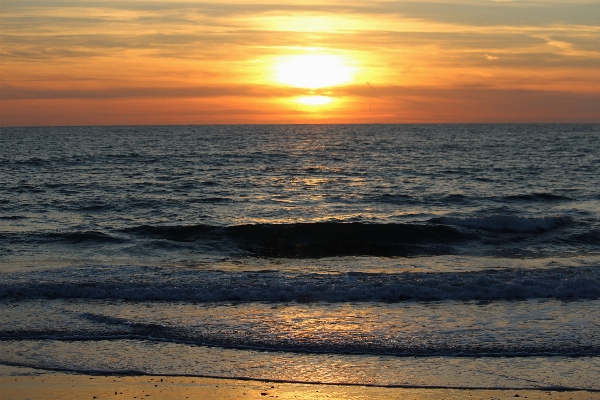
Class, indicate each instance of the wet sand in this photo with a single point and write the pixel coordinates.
(27, 383)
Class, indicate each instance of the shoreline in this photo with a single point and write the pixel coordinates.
(29, 383)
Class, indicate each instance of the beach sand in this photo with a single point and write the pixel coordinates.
(27, 383)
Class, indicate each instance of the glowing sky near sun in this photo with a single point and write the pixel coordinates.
(67, 62)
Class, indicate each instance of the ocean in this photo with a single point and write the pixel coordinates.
(440, 256)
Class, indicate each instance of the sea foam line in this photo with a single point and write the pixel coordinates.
(135, 372)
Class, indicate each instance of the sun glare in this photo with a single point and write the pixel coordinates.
(314, 100)
(313, 71)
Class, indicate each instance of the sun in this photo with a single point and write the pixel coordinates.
(313, 71)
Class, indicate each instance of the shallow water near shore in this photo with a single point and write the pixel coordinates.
(429, 256)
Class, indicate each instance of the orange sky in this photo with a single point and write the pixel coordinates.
(104, 62)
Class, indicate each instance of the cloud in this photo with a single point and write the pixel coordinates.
(393, 104)
(192, 51)
(8, 92)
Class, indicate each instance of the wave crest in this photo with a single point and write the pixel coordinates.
(507, 223)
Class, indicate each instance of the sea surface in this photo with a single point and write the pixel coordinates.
(395, 255)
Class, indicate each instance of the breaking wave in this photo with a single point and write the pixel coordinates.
(129, 283)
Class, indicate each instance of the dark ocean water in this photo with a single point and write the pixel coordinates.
(428, 255)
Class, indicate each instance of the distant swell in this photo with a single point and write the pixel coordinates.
(134, 283)
(537, 197)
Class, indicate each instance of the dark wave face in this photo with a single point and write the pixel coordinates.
(438, 236)
(324, 239)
